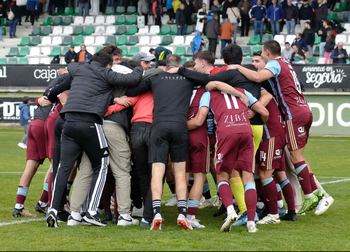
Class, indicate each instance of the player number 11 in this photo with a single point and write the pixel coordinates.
(228, 103)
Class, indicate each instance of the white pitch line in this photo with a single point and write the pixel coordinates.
(15, 172)
(332, 177)
(335, 181)
(328, 140)
(20, 221)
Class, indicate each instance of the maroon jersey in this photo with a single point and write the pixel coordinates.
(275, 125)
(197, 93)
(230, 113)
(286, 88)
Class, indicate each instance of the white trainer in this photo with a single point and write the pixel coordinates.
(323, 205)
(195, 223)
(231, 218)
(252, 228)
(127, 222)
(217, 201)
(172, 201)
(22, 145)
(206, 204)
(269, 219)
(73, 222)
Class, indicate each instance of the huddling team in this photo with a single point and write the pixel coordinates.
(128, 127)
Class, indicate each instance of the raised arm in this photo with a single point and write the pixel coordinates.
(253, 75)
(259, 108)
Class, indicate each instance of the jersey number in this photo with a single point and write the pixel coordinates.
(296, 81)
(228, 102)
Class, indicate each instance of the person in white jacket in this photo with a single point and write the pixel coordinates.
(202, 15)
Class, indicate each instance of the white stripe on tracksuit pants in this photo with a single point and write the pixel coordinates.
(76, 137)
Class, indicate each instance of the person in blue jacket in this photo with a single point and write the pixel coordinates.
(24, 120)
(32, 6)
(275, 15)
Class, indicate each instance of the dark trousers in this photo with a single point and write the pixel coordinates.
(21, 11)
(158, 20)
(245, 25)
(32, 16)
(213, 42)
(78, 137)
(139, 134)
(146, 18)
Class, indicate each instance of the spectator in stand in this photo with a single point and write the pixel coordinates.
(176, 5)
(83, 55)
(298, 56)
(309, 37)
(13, 23)
(181, 20)
(322, 13)
(307, 55)
(305, 14)
(287, 51)
(202, 16)
(348, 10)
(224, 9)
(188, 10)
(83, 7)
(331, 4)
(22, 9)
(197, 43)
(71, 55)
(142, 9)
(157, 9)
(290, 17)
(329, 46)
(213, 33)
(323, 34)
(233, 14)
(170, 10)
(275, 15)
(32, 6)
(299, 41)
(257, 15)
(227, 32)
(160, 53)
(216, 7)
(339, 54)
(245, 6)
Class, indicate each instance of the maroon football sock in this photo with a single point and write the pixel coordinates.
(288, 194)
(303, 176)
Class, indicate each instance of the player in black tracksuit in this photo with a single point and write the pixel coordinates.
(169, 134)
(89, 97)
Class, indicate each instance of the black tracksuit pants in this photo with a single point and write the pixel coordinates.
(78, 136)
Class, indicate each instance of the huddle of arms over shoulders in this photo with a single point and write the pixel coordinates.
(62, 83)
(141, 88)
(265, 98)
(222, 86)
(252, 75)
(119, 79)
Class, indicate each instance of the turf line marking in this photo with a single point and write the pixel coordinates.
(10, 132)
(335, 181)
(332, 177)
(20, 221)
(14, 172)
(328, 140)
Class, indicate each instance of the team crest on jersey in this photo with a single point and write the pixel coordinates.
(219, 158)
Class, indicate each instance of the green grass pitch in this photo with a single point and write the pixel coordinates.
(328, 157)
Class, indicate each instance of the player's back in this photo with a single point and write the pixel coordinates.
(172, 95)
(286, 88)
(230, 113)
(275, 125)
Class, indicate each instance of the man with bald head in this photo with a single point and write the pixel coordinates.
(339, 54)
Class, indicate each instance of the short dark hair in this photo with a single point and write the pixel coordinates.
(305, 49)
(232, 54)
(308, 22)
(103, 58)
(189, 64)
(151, 50)
(161, 63)
(258, 53)
(112, 50)
(273, 46)
(134, 63)
(25, 99)
(207, 56)
(327, 22)
(173, 60)
(287, 43)
(126, 64)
